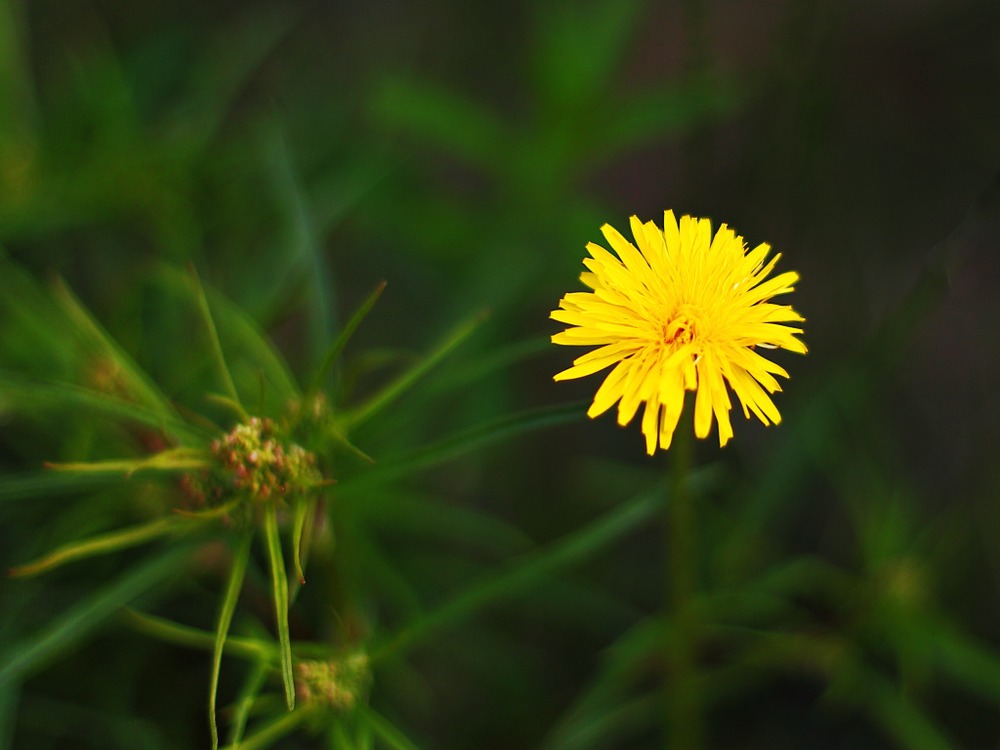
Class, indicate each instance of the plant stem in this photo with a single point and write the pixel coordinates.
(683, 713)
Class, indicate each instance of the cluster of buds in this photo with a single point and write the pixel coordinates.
(254, 462)
(337, 683)
(261, 465)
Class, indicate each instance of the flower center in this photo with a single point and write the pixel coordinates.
(678, 331)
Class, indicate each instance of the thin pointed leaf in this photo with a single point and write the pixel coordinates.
(99, 545)
(279, 582)
(27, 396)
(468, 440)
(173, 459)
(275, 730)
(251, 689)
(610, 726)
(240, 557)
(232, 58)
(51, 483)
(531, 570)
(302, 257)
(242, 335)
(620, 666)
(339, 343)
(211, 513)
(213, 337)
(899, 716)
(228, 403)
(337, 438)
(133, 378)
(339, 738)
(303, 511)
(29, 655)
(391, 392)
(184, 635)
(389, 734)
(443, 117)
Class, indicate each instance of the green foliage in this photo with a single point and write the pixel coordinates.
(195, 218)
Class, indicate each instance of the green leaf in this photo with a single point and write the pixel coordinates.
(29, 655)
(574, 73)
(609, 726)
(396, 388)
(213, 338)
(901, 718)
(184, 635)
(240, 557)
(132, 378)
(665, 111)
(100, 545)
(389, 734)
(973, 665)
(303, 261)
(338, 346)
(531, 570)
(172, 459)
(236, 52)
(448, 120)
(451, 447)
(273, 731)
(279, 582)
(245, 701)
(30, 396)
(50, 483)
(241, 334)
(303, 513)
(621, 665)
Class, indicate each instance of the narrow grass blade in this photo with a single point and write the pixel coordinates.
(337, 347)
(621, 665)
(31, 396)
(240, 556)
(436, 114)
(184, 635)
(899, 716)
(174, 459)
(527, 572)
(279, 581)
(474, 438)
(27, 656)
(612, 725)
(251, 689)
(51, 483)
(99, 545)
(272, 732)
(213, 336)
(396, 388)
(303, 261)
(241, 333)
(389, 734)
(131, 376)
(302, 512)
(339, 738)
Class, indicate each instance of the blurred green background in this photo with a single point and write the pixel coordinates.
(299, 153)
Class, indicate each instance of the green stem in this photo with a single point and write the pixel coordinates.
(684, 704)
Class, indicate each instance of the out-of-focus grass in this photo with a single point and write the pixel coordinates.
(509, 592)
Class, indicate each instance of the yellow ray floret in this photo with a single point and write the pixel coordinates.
(680, 310)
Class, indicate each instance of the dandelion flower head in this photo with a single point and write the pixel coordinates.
(680, 310)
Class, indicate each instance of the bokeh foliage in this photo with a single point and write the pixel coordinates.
(503, 563)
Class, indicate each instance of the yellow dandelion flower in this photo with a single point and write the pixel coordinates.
(685, 311)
